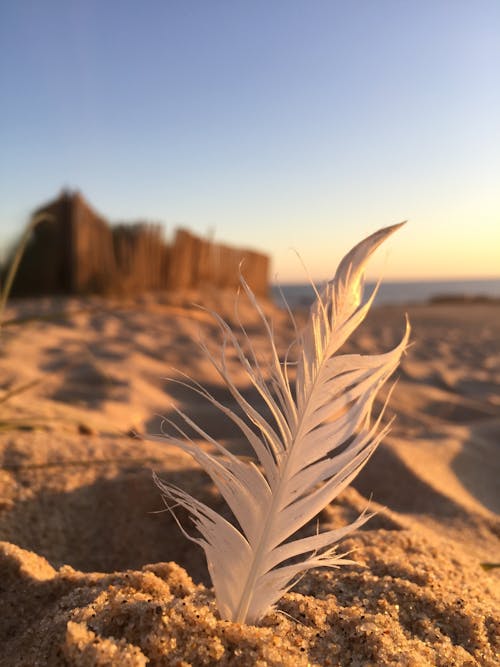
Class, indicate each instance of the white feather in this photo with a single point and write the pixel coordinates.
(300, 470)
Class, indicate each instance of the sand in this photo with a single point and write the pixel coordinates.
(93, 572)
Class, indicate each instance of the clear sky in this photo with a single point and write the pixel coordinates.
(275, 124)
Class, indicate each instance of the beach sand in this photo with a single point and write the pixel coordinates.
(93, 571)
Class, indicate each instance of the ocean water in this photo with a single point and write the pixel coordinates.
(400, 292)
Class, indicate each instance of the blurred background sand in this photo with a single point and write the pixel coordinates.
(76, 488)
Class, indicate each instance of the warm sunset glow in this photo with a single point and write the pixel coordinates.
(275, 126)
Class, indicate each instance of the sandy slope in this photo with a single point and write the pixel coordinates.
(78, 509)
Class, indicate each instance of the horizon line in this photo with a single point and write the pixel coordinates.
(386, 281)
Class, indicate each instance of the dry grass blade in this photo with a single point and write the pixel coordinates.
(22, 424)
(16, 260)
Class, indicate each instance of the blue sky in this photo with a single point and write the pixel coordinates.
(276, 125)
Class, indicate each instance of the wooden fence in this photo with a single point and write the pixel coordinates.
(75, 251)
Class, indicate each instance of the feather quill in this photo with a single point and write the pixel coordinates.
(320, 436)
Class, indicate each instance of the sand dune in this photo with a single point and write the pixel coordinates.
(94, 573)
